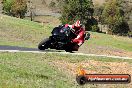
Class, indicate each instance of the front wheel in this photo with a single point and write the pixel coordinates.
(44, 44)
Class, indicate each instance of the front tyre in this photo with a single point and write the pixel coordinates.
(44, 44)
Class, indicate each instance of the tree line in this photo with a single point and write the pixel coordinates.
(16, 8)
(113, 13)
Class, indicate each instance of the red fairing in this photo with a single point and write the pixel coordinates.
(79, 31)
(80, 38)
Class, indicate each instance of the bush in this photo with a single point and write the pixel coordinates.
(122, 29)
(19, 8)
(95, 28)
(16, 8)
(7, 4)
(92, 25)
(113, 16)
(130, 34)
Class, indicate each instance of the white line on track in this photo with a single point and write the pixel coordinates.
(82, 54)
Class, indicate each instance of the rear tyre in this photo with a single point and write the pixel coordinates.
(44, 44)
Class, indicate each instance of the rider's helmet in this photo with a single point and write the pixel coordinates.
(77, 23)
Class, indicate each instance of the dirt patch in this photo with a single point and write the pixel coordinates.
(104, 50)
(93, 67)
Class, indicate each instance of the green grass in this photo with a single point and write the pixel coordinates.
(76, 59)
(19, 32)
(99, 39)
(21, 70)
(27, 70)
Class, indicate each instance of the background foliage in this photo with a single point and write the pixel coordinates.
(16, 8)
(114, 17)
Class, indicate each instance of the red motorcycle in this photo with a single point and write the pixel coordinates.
(61, 39)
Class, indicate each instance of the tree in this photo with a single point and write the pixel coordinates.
(92, 25)
(72, 10)
(19, 8)
(7, 4)
(113, 17)
(126, 7)
(16, 8)
(98, 9)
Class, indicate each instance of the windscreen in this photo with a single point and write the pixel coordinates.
(65, 31)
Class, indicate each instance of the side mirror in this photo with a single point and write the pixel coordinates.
(87, 36)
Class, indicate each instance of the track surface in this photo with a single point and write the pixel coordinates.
(34, 50)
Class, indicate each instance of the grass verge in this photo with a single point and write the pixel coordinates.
(116, 42)
(28, 70)
(19, 32)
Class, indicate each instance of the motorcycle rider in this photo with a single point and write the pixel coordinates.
(80, 32)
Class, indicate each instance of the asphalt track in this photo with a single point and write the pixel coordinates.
(4, 48)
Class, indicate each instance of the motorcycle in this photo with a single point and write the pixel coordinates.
(61, 39)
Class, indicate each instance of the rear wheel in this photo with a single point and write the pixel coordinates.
(44, 44)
